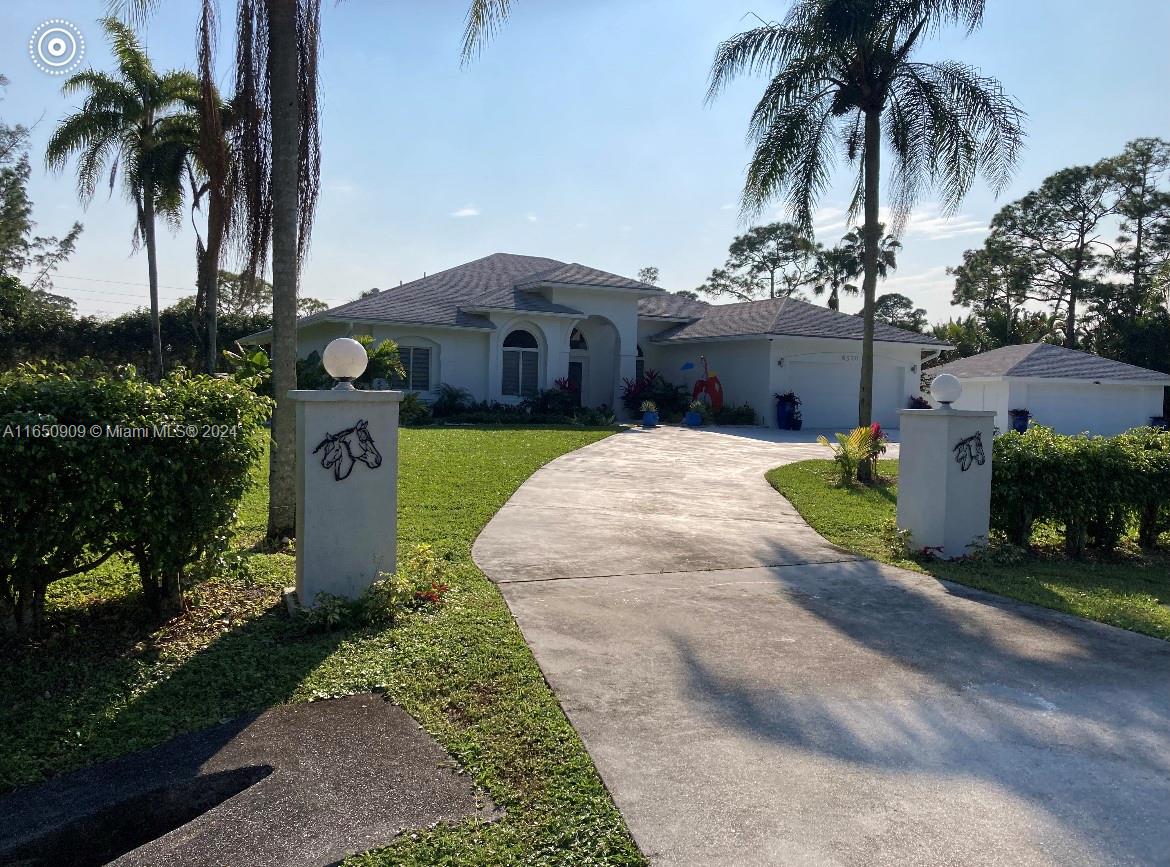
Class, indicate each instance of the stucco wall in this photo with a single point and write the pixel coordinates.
(826, 376)
(742, 368)
(457, 357)
(1068, 407)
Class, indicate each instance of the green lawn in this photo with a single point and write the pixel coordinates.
(104, 683)
(1126, 589)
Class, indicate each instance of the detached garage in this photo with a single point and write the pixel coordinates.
(1067, 390)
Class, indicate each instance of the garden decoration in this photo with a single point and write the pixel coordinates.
(339, 456)
(944, 477)
(649, 414)
(787, 410)
(969, 451)
(707, 389)
(345, 533)
(1019, 419)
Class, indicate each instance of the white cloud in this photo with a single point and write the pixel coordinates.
(926, 221)
(530, 217)
(466, 211)
(727, 207)
(626, 228)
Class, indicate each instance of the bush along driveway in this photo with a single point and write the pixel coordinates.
(753, 694)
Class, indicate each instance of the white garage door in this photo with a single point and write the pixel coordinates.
(1099, 409)
(828, 392)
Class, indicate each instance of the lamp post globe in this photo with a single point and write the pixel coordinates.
(946, 389)
(345, 360)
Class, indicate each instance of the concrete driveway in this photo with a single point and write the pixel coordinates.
(753, 695)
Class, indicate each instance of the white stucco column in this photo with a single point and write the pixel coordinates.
(944, 478)
(347, 490)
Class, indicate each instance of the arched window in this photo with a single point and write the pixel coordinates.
(639, 365)
(577, 340)
(521, 376)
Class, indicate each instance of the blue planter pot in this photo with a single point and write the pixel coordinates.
(649, 419)
(785, 412)
(692, 418)
(1020, 422)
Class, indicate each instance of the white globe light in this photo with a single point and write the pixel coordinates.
(946, 388)
(345, 359)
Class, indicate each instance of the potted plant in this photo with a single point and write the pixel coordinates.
(1019, 419)
(797, 420)
(649, 414)
(917, 401)
(694, 414)
(786, 409)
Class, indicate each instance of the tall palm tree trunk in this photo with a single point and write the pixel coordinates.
(207, 267)
(872, 230)
(282, 68)
(156, 361)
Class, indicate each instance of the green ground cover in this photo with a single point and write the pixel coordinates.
(1129, 588)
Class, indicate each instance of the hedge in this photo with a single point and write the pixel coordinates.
(1095, 487)
(95, 463)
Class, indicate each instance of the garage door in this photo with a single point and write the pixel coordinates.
(1098, 409)
(828, 392)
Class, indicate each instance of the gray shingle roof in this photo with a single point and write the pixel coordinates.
(784, 316)
(667, 305)
(498, 280)
(1047, 361)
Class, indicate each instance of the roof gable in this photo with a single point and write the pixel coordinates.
(1047, 361)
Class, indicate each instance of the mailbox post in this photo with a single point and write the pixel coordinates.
(944, 475)
(347, 480)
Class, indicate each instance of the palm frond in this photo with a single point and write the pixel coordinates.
(484, 18)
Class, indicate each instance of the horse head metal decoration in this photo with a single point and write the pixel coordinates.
(338, 450)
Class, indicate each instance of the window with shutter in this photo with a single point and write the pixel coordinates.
(521, 365)
(416, 360)
(420, 368)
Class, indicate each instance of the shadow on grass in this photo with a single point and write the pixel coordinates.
(123, 687)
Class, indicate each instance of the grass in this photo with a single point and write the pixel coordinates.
(1127, 589)
(103, 682)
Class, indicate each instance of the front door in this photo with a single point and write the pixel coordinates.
(577, 377)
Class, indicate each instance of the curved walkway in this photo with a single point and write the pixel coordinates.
(753, 695)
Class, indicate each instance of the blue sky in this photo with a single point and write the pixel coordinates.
(580, 134)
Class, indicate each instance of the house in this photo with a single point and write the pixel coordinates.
(506, 326)
(1065, 389)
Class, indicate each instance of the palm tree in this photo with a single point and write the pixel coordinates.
(844, 262)
(135, 122)
(277, 162)
(212, 178)
(841, 74)
(835, 267)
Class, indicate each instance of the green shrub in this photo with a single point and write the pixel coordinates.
(413, 411)
(729, 415)
(1149, 487)
(671, 400)
(1093, 486)
(103, 463)
(451, 399)
(422, 579)
(854, 448)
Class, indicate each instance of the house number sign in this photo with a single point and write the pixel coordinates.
(338, 450)
(969, 451)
